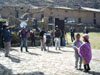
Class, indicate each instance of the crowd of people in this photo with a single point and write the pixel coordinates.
(82, 50)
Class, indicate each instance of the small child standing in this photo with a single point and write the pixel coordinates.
(76, 44)
(85, 52)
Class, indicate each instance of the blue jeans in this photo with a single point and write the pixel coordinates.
(24, 43)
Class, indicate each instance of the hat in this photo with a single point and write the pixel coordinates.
(86, 36)
(56, 26)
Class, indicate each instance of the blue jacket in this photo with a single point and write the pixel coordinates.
(6, 35)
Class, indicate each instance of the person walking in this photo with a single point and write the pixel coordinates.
(7, 40)
(76, 44)
(57, 39)
(85, 52)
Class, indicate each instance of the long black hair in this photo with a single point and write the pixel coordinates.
(86, 41)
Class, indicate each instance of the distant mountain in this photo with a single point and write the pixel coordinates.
(68, 3)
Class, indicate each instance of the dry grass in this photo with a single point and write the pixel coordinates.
(94, 39)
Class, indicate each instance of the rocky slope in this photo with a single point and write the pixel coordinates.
(69, 3)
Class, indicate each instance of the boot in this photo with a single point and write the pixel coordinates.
(85, 69)
(88, 67)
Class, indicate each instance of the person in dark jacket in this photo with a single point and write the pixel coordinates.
(7, 40)
(72, 32)
(23, 36)
(42, 39)
(57, 40)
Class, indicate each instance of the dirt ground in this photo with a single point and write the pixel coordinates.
(52, 62)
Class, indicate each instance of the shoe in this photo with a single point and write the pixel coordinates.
(21, 50)
(6, 55)
(41, 49)
(85, 69)
(59, 49)
(80, 68)
(45, 49)
(88, 67)
(27, 51)
(76, 67)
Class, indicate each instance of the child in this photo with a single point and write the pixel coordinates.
(76, 44)
(85, 52)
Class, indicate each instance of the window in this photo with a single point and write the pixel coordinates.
(94, 15)
(79, 20)
(66, 11)
(94, 21)
(50, 19)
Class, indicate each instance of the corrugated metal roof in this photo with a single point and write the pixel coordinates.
(82, 8)
(90, 9)
(62, 7)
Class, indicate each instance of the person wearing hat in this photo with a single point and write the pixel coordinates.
(7, 39)
(85, 52)
(57, 40)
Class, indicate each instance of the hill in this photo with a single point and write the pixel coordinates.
(68, 3)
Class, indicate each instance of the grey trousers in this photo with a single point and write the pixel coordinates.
(7, 46)
(43, 45)
(78, 59)
(57, 43)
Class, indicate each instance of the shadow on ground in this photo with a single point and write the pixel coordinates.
(54, 52)
(13, 50)
(14, 59)
(94, 73)
(34, 54)
(5, 71)
(32, 73)
(66, 51)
